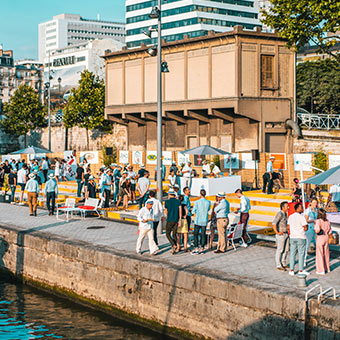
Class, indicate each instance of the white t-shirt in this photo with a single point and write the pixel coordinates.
(21, 176)
(335, 191)
(57, 168)
(296, 223)
(131, 175)
(143, 183)
(187, 168)
(206, 168)
(216, 170)
(172, 179)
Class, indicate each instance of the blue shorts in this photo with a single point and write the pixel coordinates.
(22, 186)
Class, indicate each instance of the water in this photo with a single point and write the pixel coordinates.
(26, 313)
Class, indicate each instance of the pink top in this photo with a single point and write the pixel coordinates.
(322, 225)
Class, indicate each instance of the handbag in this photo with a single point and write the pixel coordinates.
(321, 232)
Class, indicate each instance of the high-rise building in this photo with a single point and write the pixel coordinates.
(263, 5)
(7, 75)
(188, 17)
(70, 29)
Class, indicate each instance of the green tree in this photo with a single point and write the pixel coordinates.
(318, 86)
(305, 21)
(320, 161)
(86, 105)
(23, 113)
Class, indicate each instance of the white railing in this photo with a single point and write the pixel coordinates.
(319, 121)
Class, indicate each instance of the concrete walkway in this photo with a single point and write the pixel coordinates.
(255, 263)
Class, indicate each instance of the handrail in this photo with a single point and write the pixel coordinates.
(310, 290)
(319, 121)
(326, 291)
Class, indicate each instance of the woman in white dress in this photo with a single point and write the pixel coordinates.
(57, 169)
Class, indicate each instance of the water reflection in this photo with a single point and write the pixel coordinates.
(28, 314)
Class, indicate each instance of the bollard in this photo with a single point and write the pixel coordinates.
(302, 280)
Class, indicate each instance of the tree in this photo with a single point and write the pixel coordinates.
(23, 113)
(86, 105)
(318, 86)
(305, 21)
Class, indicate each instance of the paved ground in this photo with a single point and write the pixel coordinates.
(255, 263)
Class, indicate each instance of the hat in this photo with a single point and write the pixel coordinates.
(212, 163)
(176, 186)
(149, 202)
(113, 164)
(51, 175)
(14, 170)
(91, 178)
(271, 157)
(189, 162)
(171, 192)
(221, 194)
(31, 175)
(142, 165)
(173, 163)
(205, 162)
(125, 172)
(81, 164)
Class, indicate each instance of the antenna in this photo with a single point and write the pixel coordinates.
(98, 16)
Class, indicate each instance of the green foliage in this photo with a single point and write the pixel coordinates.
(86, 105)
(216, 160)
(320, 161)
(318, 86)
(5, 186)
(304, 21)
(109, 159)
(24, 112)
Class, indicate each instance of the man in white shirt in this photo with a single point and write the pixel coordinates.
(146, 219)
(187, 174)
(158, 213)
(205, 169)
(215, 169)
(244, 215)
(21, 180)
(334, 195)
(143, 189)
(297, 225)
(268, 177)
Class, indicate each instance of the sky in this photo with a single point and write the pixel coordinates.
(19, 19)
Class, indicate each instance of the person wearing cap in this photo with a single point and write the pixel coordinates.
(32, 188)
(146, 219)
(174, 168)
(176, 189)
(12, 181)
(158, 213)
(206, 169)
(222, 210)
(143, 186)
(244, 215)
(215, 170)
(106, 185)
(117, 175)
(201, 210)
(268, 177)
(133, 177)
(51, 193)
(141, 171)
(91, 187)
(173, 213)
(187, 174)
(80, 173)
(44, 168)
(124, 191)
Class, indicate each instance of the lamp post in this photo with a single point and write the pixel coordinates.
(49, 101)
(59, 89)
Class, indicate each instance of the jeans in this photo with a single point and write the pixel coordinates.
(202, 234)
(282, 250)
(171, 227)
(310, 238)
(107, 193)
(80, 184)
(269, 181)
(143, 199)
(155, 225)
(50, 198)
(297, 245)
(13, 188)
(115, 193)
(45, 172)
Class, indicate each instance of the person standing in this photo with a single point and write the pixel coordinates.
(57, 169)
(21, 180)
(32, 188)
(172, 179)
(133, 177)
(173, 213)
(91, 187)
(187, 202)
(268, 177)
(143, 189)
(215, 170)
(106, 185)
(158, 213)
(44, 168)
(80, 178)
(311, 215)
(297, 226)
(206, 169)
(12, 181)
(186, 175)
(141, 171)
(51, 193)
(146, 219)
(282, 237)
(117, 175)
(201, 210)
(322, 229)
(244, 215)
(174, 168)
(334, 195)
(183, 228)
(222, 210)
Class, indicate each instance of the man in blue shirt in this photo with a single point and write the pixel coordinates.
(201, 210)
(244, 215)
(44, 168)
(107, 187)
(117, 175)
(32, 188)
(187, 203)
(268, 177)
(222, 210)
(51, 193)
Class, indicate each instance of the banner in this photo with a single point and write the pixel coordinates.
(304, 160)
(198, 160)
(182, 158)
(71, 165)
(124, 157)
(234, 158)
(137, 157)
(151, 157)
(10, 157)
(167, 157)
(333, 160)
(31, 156)
(280, 161)
(247, 161)
(92, 157)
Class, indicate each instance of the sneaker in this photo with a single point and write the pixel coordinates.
(244, 245)
(281, 269)
(21, 203)
(194, 252)
(129, 202)
(321, 273)
(304, 273)
(291, 273)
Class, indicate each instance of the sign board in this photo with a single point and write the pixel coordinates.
(182, 158)
(167, 157)
(10, 157)
(124, 157)
(247, 161)
(304, 160)
(71, 165)
(92, 157)
(280, 161)
(234, 158)
(137, 157)
(333, 160)
(151, 157)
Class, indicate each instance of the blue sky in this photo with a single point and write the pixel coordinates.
(19, 19)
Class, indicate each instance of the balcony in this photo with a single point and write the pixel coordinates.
(318, 121)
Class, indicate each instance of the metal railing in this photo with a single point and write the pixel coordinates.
(319, 121)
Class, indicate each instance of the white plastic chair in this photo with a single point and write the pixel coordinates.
(68, 207)
(90, 205)
(235, 233)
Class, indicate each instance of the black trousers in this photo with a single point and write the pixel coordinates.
(267, 180)
(45, 172)
(155, 226)
(107, 198)
(50, 201)
(203, 235)
(171, 228)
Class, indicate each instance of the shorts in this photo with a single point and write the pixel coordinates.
(22, 186)
(183, 229)
(122, 192)
(133, 187)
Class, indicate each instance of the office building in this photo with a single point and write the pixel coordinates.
(65, 30)
(7, 75)
(188, 17)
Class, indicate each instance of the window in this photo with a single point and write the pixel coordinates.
(267, 71)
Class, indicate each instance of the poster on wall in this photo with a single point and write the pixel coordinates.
(198, 160)
(304, 160)
(151, 157)
(10, 157)
(71, 165)
(123, 157)
(247, 161)
(137, 157)
(167, 157)
(182, 158)
(92, 157)
(35, 156)
(280, 161)
(333, 160)
(234, 158)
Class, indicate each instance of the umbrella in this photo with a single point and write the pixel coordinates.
(331, 176)
(33, 150)
(206, 150)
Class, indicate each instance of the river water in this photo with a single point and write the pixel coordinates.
(26, 313)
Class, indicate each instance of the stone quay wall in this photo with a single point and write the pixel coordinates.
(185, 302)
